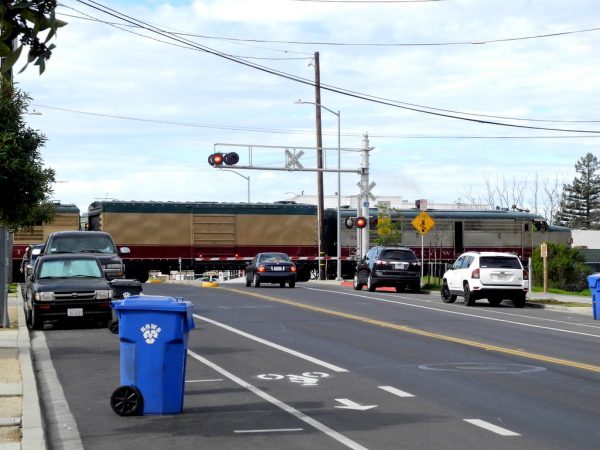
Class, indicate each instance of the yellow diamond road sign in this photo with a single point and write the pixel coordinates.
(423, 223)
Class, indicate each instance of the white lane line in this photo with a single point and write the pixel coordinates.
(204, 381)
(272, 344)
(393, 390)
(491, 427)
(279, 430)
(287, 408)
(461, 313)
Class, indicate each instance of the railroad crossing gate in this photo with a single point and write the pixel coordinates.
(423, 223)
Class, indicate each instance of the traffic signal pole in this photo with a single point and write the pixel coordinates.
(320, 200)
(365, 188)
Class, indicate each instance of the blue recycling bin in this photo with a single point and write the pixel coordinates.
(153, 333)
(594, 285)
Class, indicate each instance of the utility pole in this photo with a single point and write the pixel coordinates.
(5, 236)
(320, 208)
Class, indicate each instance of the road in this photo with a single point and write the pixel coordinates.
(324, 366)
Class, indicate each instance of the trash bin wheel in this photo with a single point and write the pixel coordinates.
(113, 326)
(127, 401)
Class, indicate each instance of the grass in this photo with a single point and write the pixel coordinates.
(584, 293)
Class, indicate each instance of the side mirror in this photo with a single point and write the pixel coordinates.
(124, 250)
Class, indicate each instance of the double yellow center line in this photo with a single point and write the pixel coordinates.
(443, 337)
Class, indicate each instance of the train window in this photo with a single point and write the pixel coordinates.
(540, 226)
(526, 227)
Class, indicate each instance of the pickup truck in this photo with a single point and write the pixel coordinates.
(97, 243)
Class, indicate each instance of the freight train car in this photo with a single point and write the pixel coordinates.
(456, 231)
(66, 219)
(205, 236)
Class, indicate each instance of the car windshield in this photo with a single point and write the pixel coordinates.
(398, 255)
(499, 262)
(70, 268)
(82, 244)
(274, 258)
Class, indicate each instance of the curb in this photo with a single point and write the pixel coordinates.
(32, 429)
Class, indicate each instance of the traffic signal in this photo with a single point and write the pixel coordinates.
(217, 159)
(361, 222)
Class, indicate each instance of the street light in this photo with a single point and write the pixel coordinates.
(243, 176)
(339, 192)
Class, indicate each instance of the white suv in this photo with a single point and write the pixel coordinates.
(492, 275)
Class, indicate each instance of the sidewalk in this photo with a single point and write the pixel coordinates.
(20, 414)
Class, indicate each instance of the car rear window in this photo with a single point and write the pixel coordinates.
(398, 255)
(499, 262)
(274, 258)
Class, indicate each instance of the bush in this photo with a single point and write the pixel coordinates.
(566, 268)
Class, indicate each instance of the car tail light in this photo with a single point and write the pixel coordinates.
(262, 269)
(292, 268)
(475, 274)
(525, 275)
(381, 262)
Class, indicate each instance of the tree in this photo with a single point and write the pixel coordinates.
(580, 202)
(25, 184)
(24, 21)
(387, 232)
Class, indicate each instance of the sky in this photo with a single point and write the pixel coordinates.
(133, 113)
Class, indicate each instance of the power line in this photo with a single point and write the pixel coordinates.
(310, 132)
(361, 44)
(330, 88)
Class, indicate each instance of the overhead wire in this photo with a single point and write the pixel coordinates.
(330, 88)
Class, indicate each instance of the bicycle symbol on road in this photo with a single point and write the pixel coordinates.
(305, 379)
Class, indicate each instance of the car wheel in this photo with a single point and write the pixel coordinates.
(469, 299)
(399, 288)
(371, 286)
(494, 301)
(447, 297)
(357, 285)
(519, 301)
(282, 284)
(416, 287)
(37, 322)
(292, 284)
(256, 281)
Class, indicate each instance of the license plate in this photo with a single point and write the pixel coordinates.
(75, 312)
(278, 268)
(401, 266)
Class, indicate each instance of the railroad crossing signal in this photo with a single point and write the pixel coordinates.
(423, 223)
(217, 159)
(292, 160)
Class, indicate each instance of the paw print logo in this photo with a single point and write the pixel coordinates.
(150, 332)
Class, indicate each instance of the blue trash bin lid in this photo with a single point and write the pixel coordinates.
(157, 303)
(593, 280)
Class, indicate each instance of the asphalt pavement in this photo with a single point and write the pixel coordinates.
(21, 425)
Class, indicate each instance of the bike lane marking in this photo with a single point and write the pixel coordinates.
(278, 403)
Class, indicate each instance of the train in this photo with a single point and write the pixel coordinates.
(216, 236)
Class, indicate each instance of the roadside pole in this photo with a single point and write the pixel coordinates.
(4, 266)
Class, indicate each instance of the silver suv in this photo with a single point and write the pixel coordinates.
(492, 275)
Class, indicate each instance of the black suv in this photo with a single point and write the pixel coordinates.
(388, 266)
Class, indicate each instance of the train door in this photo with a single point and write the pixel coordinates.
(458, 238)
(527, 239)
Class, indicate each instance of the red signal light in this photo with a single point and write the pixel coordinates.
(218, 159)
(361, 222)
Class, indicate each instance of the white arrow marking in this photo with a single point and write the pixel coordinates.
(349, 404)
